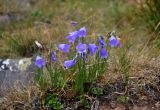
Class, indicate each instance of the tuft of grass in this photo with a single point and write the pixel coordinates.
(124, 61)
(19, 98)
(151, 12)
(20, 48)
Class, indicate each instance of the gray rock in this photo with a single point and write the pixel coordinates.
(24, 4)
(6, 18)
(22, 7)
(16, 74)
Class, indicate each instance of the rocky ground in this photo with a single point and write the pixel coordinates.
(15, 73)
(141, 92)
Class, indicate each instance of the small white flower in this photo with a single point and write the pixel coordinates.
(38, 44)
(3, 67)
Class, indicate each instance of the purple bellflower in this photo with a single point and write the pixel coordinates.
(72, 36)
(82, 32)
(103, 53)
(74, 23)
(101, 42)
(92, 49)
(64, 47)
(113, 41)
(119, 45)
(69, 63)
(40, 62)
(54, 59)
(81, 48)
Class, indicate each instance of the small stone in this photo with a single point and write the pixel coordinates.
(113, 104)
(157, 105)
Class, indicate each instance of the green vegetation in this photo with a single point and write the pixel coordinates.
(95, 91)
(51, 101)
(125, 63)
(48, 21)
(152, 14)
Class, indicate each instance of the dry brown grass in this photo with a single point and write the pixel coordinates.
(19, 98)
(98, 17)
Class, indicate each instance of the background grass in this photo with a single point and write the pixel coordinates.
(49, 21)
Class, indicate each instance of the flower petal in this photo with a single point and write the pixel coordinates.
(113, 42)
(101, 42)
(64, 47)
(74, 23)
(69, 63)
(103, 53)
(72, 36)
(92, 48)
(40, 62)
(54, 59)
(82, 32)
(81, 48)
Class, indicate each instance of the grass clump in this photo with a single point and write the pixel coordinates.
(18, 47)
(151, 11)
(125, 63)
(82, 69)
(87, 62)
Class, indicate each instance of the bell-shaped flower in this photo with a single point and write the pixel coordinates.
(81, 48)
(82, 32)
(40, 62)
(113, 41)
(74, 23)
(119, 45)
(101, 42)
(69, 63)
(72, 36)
(92, 49)
(64, 47)
(103, 53)
(54, 59)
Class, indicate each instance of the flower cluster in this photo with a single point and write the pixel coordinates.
(76, 34)
(83, 49)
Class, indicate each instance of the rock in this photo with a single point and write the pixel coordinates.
(15, 74)
(113, 104)
(6, 18)
(24, 4)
